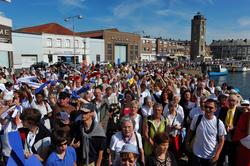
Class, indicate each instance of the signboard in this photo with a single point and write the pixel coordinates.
(5, 34)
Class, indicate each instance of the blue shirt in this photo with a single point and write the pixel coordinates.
(69, 158)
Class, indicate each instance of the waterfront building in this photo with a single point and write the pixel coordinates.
(231, 49)
(198, 37)
(6, 47)
(172, 49)
(119, 46)
(148, 49)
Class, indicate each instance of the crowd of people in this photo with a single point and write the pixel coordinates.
(123, 115)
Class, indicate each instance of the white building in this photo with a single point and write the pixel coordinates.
(53, 43)
(148, 49)
(96, 50)
(6, 48)
(28, 49)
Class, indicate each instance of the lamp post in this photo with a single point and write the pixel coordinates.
(73, 29)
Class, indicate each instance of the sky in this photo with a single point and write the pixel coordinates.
(226, 19)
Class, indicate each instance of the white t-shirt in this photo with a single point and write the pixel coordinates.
(44, 111)
(174, 120)
(117, 143)
(42, 108)
(179, 110)
(146, 111)
(205, 140)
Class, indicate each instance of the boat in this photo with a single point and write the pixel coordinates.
(238, 66)
(238, 69)
(217, 70)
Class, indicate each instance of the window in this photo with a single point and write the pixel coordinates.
(98, 58)
(67, 43)
(109, 51)
(50, 58)
(49, 42)
(58, 42)
(109, 46)
(84, 44)
(76, 44)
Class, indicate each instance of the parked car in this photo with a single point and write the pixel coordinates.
(39, 65)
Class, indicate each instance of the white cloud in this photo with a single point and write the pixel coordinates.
(211, 2)
(244, 21)
(127, 8)
(73, 3)
(169, 12)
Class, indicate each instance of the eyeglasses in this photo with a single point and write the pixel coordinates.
(208, 107)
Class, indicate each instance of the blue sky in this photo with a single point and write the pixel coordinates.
(226, 19)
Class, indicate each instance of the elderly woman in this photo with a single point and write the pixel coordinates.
(175, 121)
(147, 107)
(152, 125)
(161, 156)
(135, 116)
(125, 136)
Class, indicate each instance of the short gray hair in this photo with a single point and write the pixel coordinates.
(127, 119)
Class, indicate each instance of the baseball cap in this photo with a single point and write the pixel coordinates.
(88, 107)
(218, 88)
(129, 148)
(64, 117)
(245, 102)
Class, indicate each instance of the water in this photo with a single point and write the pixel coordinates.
(240, 80)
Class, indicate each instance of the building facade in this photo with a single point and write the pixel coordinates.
(27, 49)
(148, 49)
(198, 37)
(58, 44)
(119, 46)
(96, 50)
(231, 49)
(173, 49)
(6, 47)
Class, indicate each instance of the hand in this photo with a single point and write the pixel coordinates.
(229, 128)
(75, 145)
(215, 158)
(28, 154)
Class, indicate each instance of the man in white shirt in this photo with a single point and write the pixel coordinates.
(209, 137)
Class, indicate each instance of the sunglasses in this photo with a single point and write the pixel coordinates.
(208, 107)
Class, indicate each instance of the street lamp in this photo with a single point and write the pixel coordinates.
(73, 29)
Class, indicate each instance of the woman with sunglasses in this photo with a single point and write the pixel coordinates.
(62, 155)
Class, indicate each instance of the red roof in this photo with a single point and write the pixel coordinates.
(52, 28)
